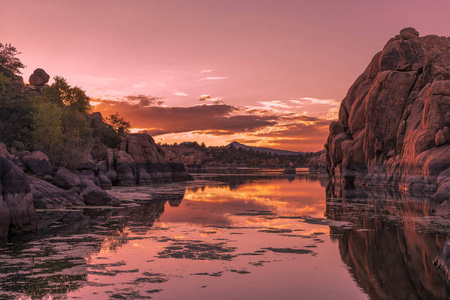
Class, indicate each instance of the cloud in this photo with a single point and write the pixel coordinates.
(139, 85)
(144, 100)
(214, 78)
(180, 94)
(274, 104)
(206, 71)
(220, 118)
(205, 97)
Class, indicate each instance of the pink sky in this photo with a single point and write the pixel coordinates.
(254, 61)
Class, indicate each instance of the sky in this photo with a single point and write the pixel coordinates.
(264, 73)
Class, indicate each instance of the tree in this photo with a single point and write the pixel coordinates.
(10, 65)
(118, 123)
(16, 104)
(48, 130)
(61, 93)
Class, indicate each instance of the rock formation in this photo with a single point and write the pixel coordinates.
(140, 161)
(39, 77)
(318, 163)
(17, 213)
(393, 126)
(38, 80)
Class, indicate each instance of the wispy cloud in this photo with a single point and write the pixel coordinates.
(206, 71)
(143, 100)
(274, 104)
(139, 85)
(310, 100)
(205, 97)
(214, 78)
(180, 94)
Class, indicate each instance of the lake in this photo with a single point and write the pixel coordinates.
(233, 236)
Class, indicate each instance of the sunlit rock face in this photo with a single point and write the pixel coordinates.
(139, 161)
(393, 126)
(17, 213)
(391, 248)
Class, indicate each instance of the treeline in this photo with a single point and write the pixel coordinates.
(230, 156)
(54, 119)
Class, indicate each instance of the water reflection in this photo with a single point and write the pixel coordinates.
(228, 236)
(391, 248)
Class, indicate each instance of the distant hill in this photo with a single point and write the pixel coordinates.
(238, 145)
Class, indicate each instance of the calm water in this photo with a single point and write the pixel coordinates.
(260, 236)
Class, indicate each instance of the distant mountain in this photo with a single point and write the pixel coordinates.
(238, 145)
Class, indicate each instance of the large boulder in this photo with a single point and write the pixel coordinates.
(49, 196)
(17, 212)
(66, 179)
(95, 196)
(393, 123)
(39, 77)
(37, 162)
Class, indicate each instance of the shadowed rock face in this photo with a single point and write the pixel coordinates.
(17, 213)
(140, 161)
(391, 248)
(393, 126)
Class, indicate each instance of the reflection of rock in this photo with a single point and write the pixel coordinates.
(290, 170)
(393, 123)
(442, 261)
(386, 252)
(58, 261)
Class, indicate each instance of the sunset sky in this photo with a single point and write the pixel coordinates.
(264, 73)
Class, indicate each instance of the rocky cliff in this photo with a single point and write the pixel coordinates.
(394, 123)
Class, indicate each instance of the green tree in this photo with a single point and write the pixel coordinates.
(10, 65)
(61, 93)
(48, 130)
(118, 123)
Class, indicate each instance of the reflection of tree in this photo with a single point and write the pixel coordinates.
(389, 251)
(54, 262)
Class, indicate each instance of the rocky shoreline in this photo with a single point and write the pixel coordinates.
(28, 180)
(393, 127)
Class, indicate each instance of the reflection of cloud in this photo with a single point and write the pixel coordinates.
(180, 94)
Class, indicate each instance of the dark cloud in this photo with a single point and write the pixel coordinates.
(162, 120)
(302, 132)
(144, 100)
(215, 100)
